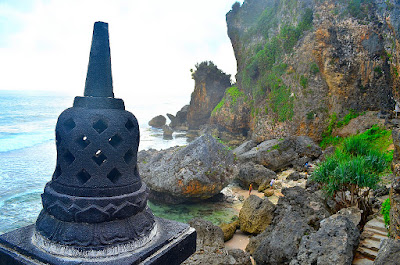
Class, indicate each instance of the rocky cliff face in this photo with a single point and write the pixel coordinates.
(300, 62)
(210, 85)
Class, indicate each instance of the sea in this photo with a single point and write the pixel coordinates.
(28, 156)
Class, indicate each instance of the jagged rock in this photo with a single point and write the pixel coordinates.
(256, 214)
(297, 213)
(229, 229)
(277, 154)
(179, 121)
(250, 173)
(352, 213)
(210, 247)
(244, 147)
(158, 121)
(167, 132)
(389, 252)
(209, 88)
(333, 243)
(195, 172)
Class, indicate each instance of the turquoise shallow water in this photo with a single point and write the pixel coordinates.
(28, 158)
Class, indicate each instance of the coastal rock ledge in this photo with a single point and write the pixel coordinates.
(192, 173)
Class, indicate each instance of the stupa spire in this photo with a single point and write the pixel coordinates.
(99, 77)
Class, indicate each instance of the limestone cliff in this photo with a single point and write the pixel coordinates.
(301, 61)
(210, 84)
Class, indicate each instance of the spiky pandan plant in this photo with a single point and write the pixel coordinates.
(352, 171)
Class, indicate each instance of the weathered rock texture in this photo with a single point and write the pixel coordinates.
(333, 243)
(195, 172)
(298, 213)
(395, 188)
(209, 88)
(256, 215)
(299, 62)
(179, 121)
(389, 252)
(210, 247)
(277, 154)
(250, 173)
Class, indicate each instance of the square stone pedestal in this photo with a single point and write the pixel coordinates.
(173, 244)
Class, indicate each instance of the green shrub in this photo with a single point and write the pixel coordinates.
(314, 69)
(303, 81)
(385, 211)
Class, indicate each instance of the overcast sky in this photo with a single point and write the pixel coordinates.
(44, 44)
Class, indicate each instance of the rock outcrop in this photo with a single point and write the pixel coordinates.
(298, 213)
(277, 154)
(302, 63)
(210, 85)
(179, 121)
(333, 243)
(256, 215)
(195, 172)
(210, 247)
(158, 121)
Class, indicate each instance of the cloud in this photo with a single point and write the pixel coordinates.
(153, 44)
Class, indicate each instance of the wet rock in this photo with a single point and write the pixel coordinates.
(229, 229)
(333, 243)
(167, 132)
(256, 214)
(252, 173)
(158, 121)
(389, 252)
(210, 247)
(196, 172)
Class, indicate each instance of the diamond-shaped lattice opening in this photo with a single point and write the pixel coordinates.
(83, 141)
(100, 126)
(69, 124)
(128, 156)
(114, 175)
(115, 141)
(129, 125)
(83, 176)
(99, 158)
(68, 157)
(57, 172)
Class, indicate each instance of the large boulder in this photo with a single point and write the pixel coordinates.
(158, 121)
(229, 229)
(195, 172)
(389, 252)
(278, 154)
(244, 147)
(256, 215)
(252, 173)
(210, 247)
(297, 213)
(209, 88)
(333, 243)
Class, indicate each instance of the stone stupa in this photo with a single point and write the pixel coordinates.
(95, 207)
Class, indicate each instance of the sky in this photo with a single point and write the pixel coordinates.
(45, 45)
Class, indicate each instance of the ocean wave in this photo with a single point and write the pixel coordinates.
(24, 140)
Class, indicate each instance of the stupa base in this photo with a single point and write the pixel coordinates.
(173, 244)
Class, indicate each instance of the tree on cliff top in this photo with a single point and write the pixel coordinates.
(208, 71)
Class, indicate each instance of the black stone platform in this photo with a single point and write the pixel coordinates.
(173, 243)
